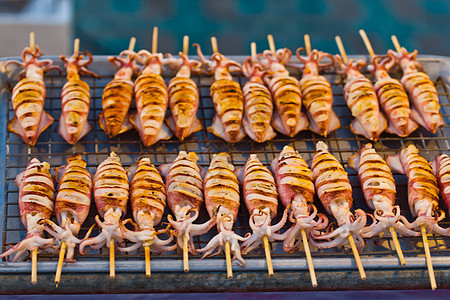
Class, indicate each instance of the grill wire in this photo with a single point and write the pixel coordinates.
(96, 146)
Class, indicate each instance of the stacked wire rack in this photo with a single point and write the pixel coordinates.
(378, 255)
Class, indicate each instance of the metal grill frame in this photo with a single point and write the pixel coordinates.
(95, 147)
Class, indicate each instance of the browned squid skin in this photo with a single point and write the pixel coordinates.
(152, 98)
(227, 97)
(423, 190)
(184, 188)
(36, 203)
(335, 192)
(75, 98)
(73, 201)
(148, 200)
(425, 108)
(317, 93)
(362, 100)
(111, 190)
(258, 104)
(392, 96)
(441, 169)
(379, 190)
(28, 97)
(296, 190)
(183, 98)
(288, 118)
(117, 95)
(221, 188)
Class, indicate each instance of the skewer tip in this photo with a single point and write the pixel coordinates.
(307, 44)
(32, 41)
(271, 43)
(76, 45)
(132, 43)
(186, 44)
(215, 48)
(253, 51)
(155, 39)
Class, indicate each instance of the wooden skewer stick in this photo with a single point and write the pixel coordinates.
(365, 38)
(132, 44)
(214, 46)
(253, 51)
(62, 253)
(186, 45)
(307, 44)
(426, 247)
(362, 273)
(155, 39)
(185, 254)
(397, 246)
(34, 266)
(271, 43)
(76, 46)
(268, 257)
(341, 48)
(396, 43)
(32, 41)
(312, 272)
(228, 259)
(112, 263)
(148, 269)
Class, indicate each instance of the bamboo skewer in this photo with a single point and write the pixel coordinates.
(214, 46)
(76, 46)
(426, 247)
(155, 40)
(253, 51)
(185, 254)
(34, 266)
(367, 43)
(268, 257)
(148, 269)
(112, 263)
(228, 259)
(271, 43)
(341, 48)
(312, 272)
(132, 44)
(62, 253)
(186, 45)
(307, 44)
(32, 41)
(396, 43)
(362, 273)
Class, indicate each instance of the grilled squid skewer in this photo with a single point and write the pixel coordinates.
(76, 98)
(117, 95)
(317, 93)
(425, 100)
(258, 105)
(36, 203)
(288, 117)
(221, 188)
(73, 201)
(379, 191)
(441, 169)
(184, 188)
(152, 98)
(423, 190)
(296, 190)
(227, 98)
(261, 200)
(28, 97)
(335, 192)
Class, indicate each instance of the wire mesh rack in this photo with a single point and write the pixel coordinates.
(96, 146)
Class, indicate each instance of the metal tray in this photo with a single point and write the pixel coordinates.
(335, 267)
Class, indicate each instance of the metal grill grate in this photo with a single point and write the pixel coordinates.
(96, 146)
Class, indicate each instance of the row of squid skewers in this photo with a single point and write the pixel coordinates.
(184, 186)
(270, 100)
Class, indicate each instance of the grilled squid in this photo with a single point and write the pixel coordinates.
(148, 200)
(362, 100)
(152, 98)
(183, 99)
(261, 200)
(425, 99)
(379, 190)
(258, 105)
(76, 98)
(317, 93)
(392, 96)
(73, 201)
(441, 169)
(36, 203)
(221, 188)
(117, 96)
(227, 98)
(335, 192)
(423, 190)
(184, 188)
(288, 117)
(111, 197)
(28, 97)
(296, 190)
